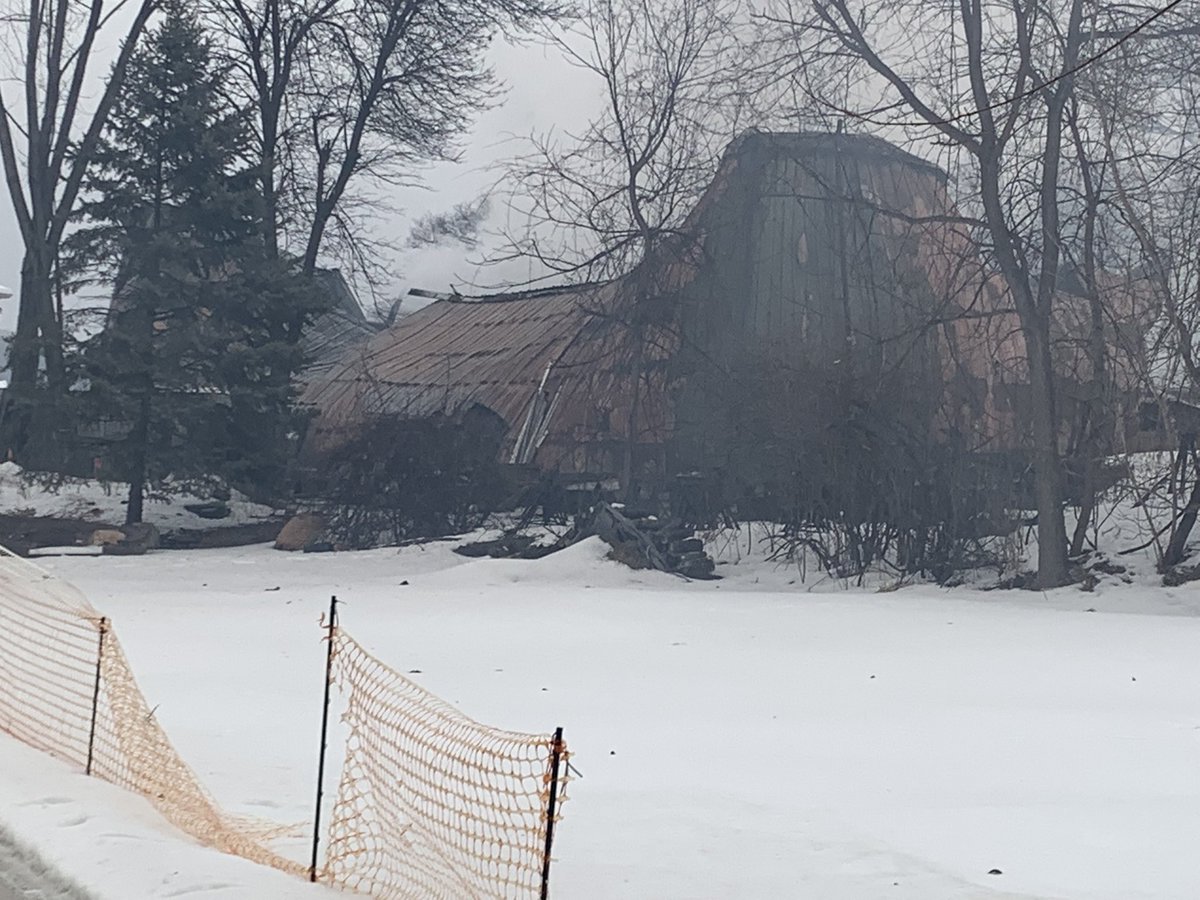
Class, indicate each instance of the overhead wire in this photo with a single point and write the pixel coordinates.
(1073, 70)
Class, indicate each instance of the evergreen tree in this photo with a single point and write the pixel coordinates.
(193, 366)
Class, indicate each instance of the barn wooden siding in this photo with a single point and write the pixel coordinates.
(832, 264)
(815, 265)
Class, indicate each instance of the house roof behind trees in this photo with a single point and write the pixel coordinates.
(331, 335)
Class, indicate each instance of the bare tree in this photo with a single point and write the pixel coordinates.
(357, 92)
(674, 78)
(613, 200)
(996, 82)
(266, 43)
(54, 42)
(1148, 127)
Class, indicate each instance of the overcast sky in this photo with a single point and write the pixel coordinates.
(544, 92)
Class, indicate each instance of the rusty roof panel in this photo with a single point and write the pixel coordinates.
(451, 355)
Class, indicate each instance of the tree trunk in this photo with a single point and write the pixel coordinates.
(270, 214)
(1052, 527)
(1098, 415)
(1035, 330)
(1187, 518)
(137, 463)
(316, 237)
(1087, 503)
(52, 346)
(35, 316)
(133, 510)
(1183, 530)
(270, 196)
(628, 469)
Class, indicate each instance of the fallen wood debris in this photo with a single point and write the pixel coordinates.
(642, 542)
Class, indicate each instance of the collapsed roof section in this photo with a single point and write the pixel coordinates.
(497, 352)
(833, 266)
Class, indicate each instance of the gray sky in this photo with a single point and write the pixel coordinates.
(544, 92)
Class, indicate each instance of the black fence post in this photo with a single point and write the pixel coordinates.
(551, 809)
(332, 625)
(96, 696)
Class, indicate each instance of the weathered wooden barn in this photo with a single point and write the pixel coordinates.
(824, 286)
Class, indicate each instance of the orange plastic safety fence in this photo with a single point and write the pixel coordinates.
(48, 660)
(51, 644)
(432, 804)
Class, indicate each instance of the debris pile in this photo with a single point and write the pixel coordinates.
(648, 542)
(638, 541)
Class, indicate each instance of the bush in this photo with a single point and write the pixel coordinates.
(419, 478)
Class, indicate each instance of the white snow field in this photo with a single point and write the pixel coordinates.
(740, 738)
(62, 830)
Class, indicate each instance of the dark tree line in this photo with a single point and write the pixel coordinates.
(191, 376)
(231, 147)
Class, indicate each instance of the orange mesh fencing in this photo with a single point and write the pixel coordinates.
(132, 750)
(53, 639)
(48, 660)
(432, 804)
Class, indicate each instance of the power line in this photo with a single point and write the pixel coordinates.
(1078, 67)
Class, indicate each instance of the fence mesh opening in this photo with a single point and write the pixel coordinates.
(430, 803)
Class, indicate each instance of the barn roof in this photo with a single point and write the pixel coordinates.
(865, 147)
(451, 355)
(331, 335)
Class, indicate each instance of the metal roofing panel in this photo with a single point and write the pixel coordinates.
(450, 355)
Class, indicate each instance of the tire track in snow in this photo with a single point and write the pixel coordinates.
(24, 875)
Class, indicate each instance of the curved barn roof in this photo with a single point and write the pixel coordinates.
(451, 355)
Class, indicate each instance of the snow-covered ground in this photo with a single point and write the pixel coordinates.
(88, 499)
(60, 830)
(742, 738)
(25, 875)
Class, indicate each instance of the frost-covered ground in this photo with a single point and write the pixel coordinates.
(742, 738)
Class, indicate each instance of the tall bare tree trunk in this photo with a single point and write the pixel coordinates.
(270, 196)
(1053, 568)
(1098, 415)
(35, 295)
(1048, 486)
(43, 177)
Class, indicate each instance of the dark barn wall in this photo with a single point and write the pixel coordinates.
(809, 311)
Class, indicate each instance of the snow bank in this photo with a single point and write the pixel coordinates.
(86, 831)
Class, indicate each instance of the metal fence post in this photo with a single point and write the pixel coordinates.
(551, 808)
(96, 696)
(332, 626)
